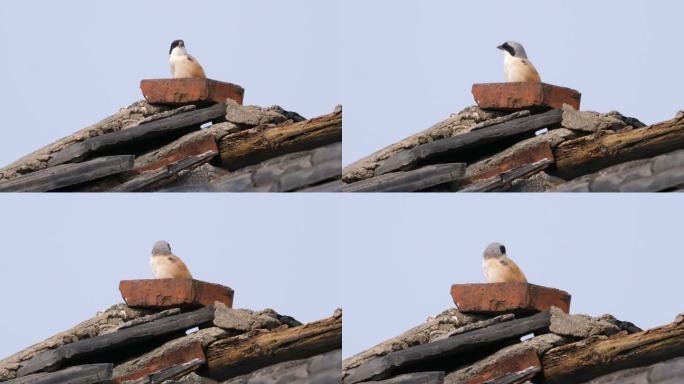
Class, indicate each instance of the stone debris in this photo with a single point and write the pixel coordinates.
(485, 348)
(146, 345)
(589, 151)
(181, 146)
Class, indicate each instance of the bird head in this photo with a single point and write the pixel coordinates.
(161, 247)
(177, 43)
(514, 49)
(494, 250)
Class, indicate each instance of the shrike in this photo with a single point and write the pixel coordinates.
(183, 64)
(498, 268)
(517, 67)
(166, 265)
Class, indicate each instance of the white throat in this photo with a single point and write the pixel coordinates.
(179, 51)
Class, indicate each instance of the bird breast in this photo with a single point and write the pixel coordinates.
(519, 70)
(497, 272)
(168, 267)
(185, 66)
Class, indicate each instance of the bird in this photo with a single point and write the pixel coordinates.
(183, 64)
(166, 265)
(517, 67)
(498, 268)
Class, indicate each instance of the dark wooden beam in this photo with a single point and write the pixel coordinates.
(80, 374)
(84, 349)
(505, 178)
(426, 354)
(440, 149)
(659, 173)
(409, 181)
(171, 372)
(320, 369)
(163, 175)
(517, 377)
(285, 173)
(121, 141)
(66, 175)
(436, 377)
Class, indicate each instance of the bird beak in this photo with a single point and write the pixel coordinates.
(501, 47)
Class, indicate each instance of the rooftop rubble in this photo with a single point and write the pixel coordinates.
(167, 339)
(189, 141)
(519, 141)
(515, 347)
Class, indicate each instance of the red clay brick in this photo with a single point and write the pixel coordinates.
(517, 96)
(166, 358)
(494, 298)
(190, 91)
(506, 365)
(169, 293)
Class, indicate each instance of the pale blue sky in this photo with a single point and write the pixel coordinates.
(69, 64)
(409, 64)
(62, 256)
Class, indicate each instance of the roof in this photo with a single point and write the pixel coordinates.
(500, 146)
(549, 346)
(170, 337)
(204, 146)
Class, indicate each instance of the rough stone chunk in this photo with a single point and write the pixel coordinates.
(581, 326)
(591, 121)
(242, 320)
(252, 115)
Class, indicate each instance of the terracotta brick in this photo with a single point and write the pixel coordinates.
(190, 91)
(170, 293)
(507, 365)
(161, 359)
(517, 96)
(495, 298)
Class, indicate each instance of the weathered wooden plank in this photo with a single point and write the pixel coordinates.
(435, 377)
(257, 144)
(285, 173)
(80, 374)
(87, 348)
(123, 139)
(435, 150)
(409, 181)
(320, 369)
(590, 358)
(666, 372)
(427, 354)
(165, 174)
(507, 177)
(591, 153)
(236, 356)
(660, 173)
(66, 175)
